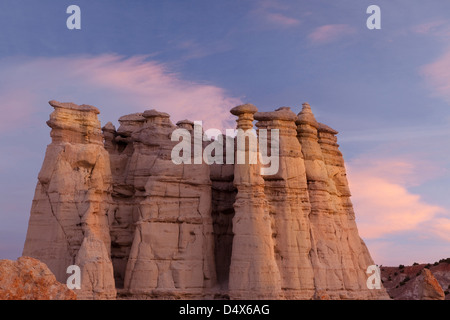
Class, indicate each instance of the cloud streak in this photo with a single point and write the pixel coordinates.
(115, 84)
(383, 203)
(274, 14)
(437, 75)
(281, 19)
(433, 27)
(330, 33)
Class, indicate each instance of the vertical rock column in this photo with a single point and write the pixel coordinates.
(355, 256)
(287, 194)
(173, 248)
(254, 272)
(69, 216)
(325, 254)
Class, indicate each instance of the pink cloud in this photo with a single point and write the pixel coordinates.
(440, 29)
(382, 201)
(274, 14)
(17, 107)
(429, 27)
(116, 85)
(398, 170)
(437, 75)
(330, 33)
(442, 228)
(282, 20)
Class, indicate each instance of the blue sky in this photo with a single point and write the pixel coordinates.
(386, 91)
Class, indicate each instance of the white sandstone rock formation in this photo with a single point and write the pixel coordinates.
(143, 227)
(72, 198)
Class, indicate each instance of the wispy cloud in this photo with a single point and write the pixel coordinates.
(194, 50)
(330, 33)
(281, 19)
(441, 227)
(274, 14)
(439, 29)
(397, 133)
(437, 75)
(431, 27)
(115, 84)
(383, 203)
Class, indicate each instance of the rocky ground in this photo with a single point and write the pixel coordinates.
(30, 279)
(408, 282)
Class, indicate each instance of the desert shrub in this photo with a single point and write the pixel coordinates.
(395, 273)
(401, 266)
(404, 280)
(428, 266)
(436, 263)
(415, 264)
(444, 260)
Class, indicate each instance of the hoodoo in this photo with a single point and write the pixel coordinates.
(141, 226)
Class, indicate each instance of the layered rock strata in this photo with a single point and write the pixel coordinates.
(135, 221)
(173, 249)
(339, 256)
(72, 200)
(253, 269)
(289, 206)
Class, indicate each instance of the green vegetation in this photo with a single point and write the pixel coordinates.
(404, 281)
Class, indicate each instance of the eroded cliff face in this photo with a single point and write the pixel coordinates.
(72, 201)
(140, 225)
(339, 256)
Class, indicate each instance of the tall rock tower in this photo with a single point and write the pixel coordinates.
(289, 206)
(338, 255)
(69, 216)
(142, 226)
(253, 270)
